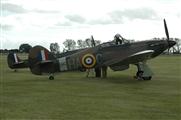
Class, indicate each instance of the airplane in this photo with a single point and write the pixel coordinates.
(100, 57)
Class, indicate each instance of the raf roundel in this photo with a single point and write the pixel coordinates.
(88, 61)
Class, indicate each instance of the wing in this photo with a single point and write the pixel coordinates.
(131, 59)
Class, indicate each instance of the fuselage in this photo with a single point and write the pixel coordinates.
(106, 54)
(110, 51)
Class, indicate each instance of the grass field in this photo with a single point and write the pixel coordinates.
(72, 96)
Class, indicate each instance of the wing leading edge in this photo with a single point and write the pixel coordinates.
(131, 59)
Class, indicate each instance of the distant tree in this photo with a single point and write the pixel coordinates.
(81, 44)
(88, 42)
(92, 43)
(69, 44)
(55, 48)
(14, 50)
(177, 47)
(25, 48)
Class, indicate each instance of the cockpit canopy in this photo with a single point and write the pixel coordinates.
(113, 43)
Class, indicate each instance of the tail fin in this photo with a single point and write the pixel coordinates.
(14, 62)
(41, 61)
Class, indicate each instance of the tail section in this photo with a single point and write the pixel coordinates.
(41, 61)
(14, 62)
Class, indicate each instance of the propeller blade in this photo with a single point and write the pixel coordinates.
(171, 43)
(93, 41)
(166, 30)
(167, 34)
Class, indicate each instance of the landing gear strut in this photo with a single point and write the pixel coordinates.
(101, 72)
(144, 72)
(98, 72)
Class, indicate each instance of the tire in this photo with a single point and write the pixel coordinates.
(139, 74)
(147, 78)
(51, 77)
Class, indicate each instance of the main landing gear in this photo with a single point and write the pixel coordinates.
(144, 72)
(101, 72)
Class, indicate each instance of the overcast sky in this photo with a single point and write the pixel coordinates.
(45, 21)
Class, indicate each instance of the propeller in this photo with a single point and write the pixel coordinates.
(170, 42)
(166, 30)
(167, 33)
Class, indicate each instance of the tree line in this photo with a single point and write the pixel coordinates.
(70, 44)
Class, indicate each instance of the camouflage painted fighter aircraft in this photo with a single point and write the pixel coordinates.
(109, 54)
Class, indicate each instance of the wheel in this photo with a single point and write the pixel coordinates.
(51, 77)
(147, 78)
(139, 74)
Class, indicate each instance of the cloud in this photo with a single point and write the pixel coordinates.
(131, 14)
(13, 8)
(63, 24)
(6, 27)
(119, 16)
(100, 22)
(75, 18)
(45, 11)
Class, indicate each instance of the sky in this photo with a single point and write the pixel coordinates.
(41, 22)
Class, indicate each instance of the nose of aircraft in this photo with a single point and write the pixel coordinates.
(171, 43)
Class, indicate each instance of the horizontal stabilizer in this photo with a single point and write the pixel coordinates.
(14, 62)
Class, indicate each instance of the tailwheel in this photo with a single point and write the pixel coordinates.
(51, 77)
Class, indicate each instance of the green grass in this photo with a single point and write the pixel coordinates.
(72, 96)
